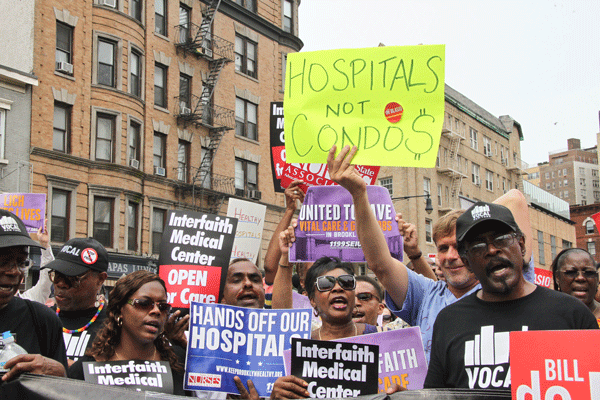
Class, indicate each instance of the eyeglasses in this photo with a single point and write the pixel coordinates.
(325, 283)
(71, 281)
(22, 266)
(388, 317)
(366, 296)
(499, 242)
(574, 273)
(148, 305)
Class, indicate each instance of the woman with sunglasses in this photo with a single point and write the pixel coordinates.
(134, 327)
(575, 273)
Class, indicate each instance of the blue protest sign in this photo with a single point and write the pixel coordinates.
(225, 341)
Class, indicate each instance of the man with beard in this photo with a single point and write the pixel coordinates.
(410, 296)
(470, 347)
(78, 273)
(34, 326)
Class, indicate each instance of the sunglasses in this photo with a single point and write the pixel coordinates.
(388, 317)
(148, 305)
(71, 281)
(366, 296)
(22, 266)
(325, 283)
(574, 273)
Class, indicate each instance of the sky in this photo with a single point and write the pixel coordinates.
(535, 60)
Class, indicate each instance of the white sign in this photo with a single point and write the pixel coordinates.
(251, 221)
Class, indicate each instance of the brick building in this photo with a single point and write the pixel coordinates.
(143, 107)
(586, 230)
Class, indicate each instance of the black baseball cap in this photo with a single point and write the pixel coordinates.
(13, 231)
(482, 212)
(78, 256)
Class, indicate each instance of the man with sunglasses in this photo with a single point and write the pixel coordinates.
(78, 272)
(471, 337)
(34, 326)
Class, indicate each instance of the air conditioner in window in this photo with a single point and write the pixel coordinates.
(208, 52)
(239, 192)
(254, 194)
(160, 171)
(65, 67)
(478, 182)
(185, 110)
(134, 163)
(110, 3)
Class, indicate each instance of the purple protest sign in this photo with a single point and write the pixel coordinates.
(401, 357)
(327, 227)
(30, 207)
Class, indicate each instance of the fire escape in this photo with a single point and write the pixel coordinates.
(450, 164)
(211, 189)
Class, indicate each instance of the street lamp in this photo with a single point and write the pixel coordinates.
(428, 205)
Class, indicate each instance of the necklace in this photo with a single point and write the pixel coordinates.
(94, 318)
(123, 358)
(355, 331)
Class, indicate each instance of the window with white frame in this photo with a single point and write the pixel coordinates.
(589, 227)
(246, 114)
(133, 144)
(489, 180)
(185, 93)
(288, 16)
(541, 255)
(105, 136)
(159, 216)
(439, 194)
(426, 186)
(591, 248)
(184, 23)
(158, 158)
(428, 235)
(473, 136)
(59, 215)
(62, 127)
(106, 68)
(135, 9)
(64, 48)
(487, 146)
(103, 220)
(132, 225)
(388, 184)
(245, 56)
(135, 73)
(475, 177)
(246, 174)
(160, 85)
(160, 17)
(183, 151)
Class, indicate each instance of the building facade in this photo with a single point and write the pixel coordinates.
(586, 230)
(572, 174)
(149, 106)
(479, 158)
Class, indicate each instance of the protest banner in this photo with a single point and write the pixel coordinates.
(596, 218)
(387, 101)
(194, 256)
(555, 364)
(140, 375)
(311, 174)
(30, 207)
(327, 227)
(248, 235)
(225, 341)
(401, 357)
(543, 277)
(334, 369)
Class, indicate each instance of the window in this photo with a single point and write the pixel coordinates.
(582, 182)
(132, 218)
(245, 56)
(133, 144)
(246, 174)
(105, 133)
(287, 16)
(553, 246)
(183, 152)
(103, 211)
(62, 128)
(591, 248)
(106, 62)
(475, 174)
(245, 119)
(158, 160)
(426, 186)
(487, 146)
(184, 93)
(158, 224)
(566, 244)
(581, 171)
(547, 186)
(64, 46)
(489, 180)
(248, 4)
(594, 172)
(564, 172)
(388, 184)
(589, 227)
(447, 195)
(135, 8)
(541, 255)
(552, 173)
(160, 17)
(59, 226)
(205, 176)
(428, 236)
(565, 182)
(439, 194)
(160, 85)
(2, 132)
(184, 23)
(135, 76)
(473, 135)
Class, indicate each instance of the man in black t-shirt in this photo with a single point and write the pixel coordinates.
(470, 346)
(34, 326)
(78, 272)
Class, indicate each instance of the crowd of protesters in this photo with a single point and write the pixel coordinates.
(482, 276)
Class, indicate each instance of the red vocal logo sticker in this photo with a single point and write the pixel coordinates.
(393, 112)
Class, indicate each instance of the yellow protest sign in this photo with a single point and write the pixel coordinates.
(387, 101)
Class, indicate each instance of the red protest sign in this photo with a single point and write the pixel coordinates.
(544, 364)
(543, 277)
(187, 283)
